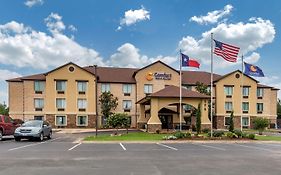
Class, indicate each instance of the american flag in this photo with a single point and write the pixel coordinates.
(226, 51)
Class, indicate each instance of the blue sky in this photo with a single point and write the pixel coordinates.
(39, 35)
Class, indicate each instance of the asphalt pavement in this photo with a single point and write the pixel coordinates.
(65, 155)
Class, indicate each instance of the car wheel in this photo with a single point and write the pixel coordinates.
(1, 135)
(17, 139)
(50, 135)
(41, 137)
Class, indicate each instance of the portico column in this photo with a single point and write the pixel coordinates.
(142, 120)
(154, 122)
(205, 122)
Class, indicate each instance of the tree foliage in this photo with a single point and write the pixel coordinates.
(119, 120)
(108, 103)
(278, 108)
(231, 123)
(202, 88)
(198, 119)
(260, 124)
(4, 110)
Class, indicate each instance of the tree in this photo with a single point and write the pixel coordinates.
(198, 119)
(202, 88)
(260, 124)
(231, 123)
(118, 120)
(108, 103)
(4, 110)
(278, 108)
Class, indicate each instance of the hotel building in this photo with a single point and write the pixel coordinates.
(68, 95)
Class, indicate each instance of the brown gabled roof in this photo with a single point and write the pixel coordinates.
(174, 92)
(192, 77)
(114, 75)
(264, 86)
(153, 64)
(222, 77)
(67, 65)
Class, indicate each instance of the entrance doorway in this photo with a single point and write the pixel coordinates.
(167, 121)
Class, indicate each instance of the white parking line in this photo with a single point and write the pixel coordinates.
(254, 147)
(167, 146)
(74, 146)
(214, 147)
(123, 146)
(34, 144)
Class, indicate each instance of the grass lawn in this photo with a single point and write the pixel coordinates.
(268, 138)
(139, 136)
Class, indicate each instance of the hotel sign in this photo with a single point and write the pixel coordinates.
(158, 76)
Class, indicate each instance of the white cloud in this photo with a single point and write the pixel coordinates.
(128, 55)
(6, 74)
(22, 46)
(253, 58)
(31, 3)
(72, 28)
(248, 36)
(212, 17)
(54, 23)
(133, 16)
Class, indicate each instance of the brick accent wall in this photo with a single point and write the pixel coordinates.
(71, 121)
(220, 122)
(152, 128)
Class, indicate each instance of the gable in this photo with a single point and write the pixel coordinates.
(235, 78)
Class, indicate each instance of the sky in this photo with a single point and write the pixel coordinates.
(39, 35)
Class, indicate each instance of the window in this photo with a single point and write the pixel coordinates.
(188, 87)
(245, 121)
(226, 121)
(187, 108)
(60, 86)
(82, 120)
(38, 104)
(245, 107)
(61, 120)
(82, 87)
(259, 107)
(82, 104)
(260, 92)
(148, 88)
(228, 106)
(127, 89)
(39, 117)
(105, 87)
(60, 104)
(39, 87)
(246, 92)
(228, 90)
(127, 105)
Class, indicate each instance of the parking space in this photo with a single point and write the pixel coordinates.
(65, 153)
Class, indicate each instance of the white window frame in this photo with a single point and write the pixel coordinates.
(82, 84)
(127, 88)
(41, 84)
(246, 91)
(225, 120)
(64, 107)
(262, 107)
(260, 92)
(39, 116)
(38, 107)
(61, 116)
(105, 87)
(243, 106)
(226, 105)
(63, 87)
(124, 102)
(248, 121)
(226, 91)
(77, 123)
(84, 103)
(149, 88)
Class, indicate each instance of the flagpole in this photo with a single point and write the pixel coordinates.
(180, 91)
(211, 114)
(241, 119)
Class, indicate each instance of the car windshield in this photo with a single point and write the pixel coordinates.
(32, 124)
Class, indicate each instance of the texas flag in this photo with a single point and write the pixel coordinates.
(187, 62)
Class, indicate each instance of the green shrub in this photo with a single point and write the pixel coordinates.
(238, 133)
(260, 124)
(157, 131)
(169, 138)
(252, 136)
(244, 135)
(231, 123)
(206, 130)
(188, 135)
(179, 135)
(216, 133)
(230, 135)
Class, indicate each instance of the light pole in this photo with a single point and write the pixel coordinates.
(96, 98)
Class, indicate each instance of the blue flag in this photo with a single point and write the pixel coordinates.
(252, 70)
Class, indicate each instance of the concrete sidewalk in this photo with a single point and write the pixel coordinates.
(86, 130)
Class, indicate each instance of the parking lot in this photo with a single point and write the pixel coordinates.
(65, 155)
